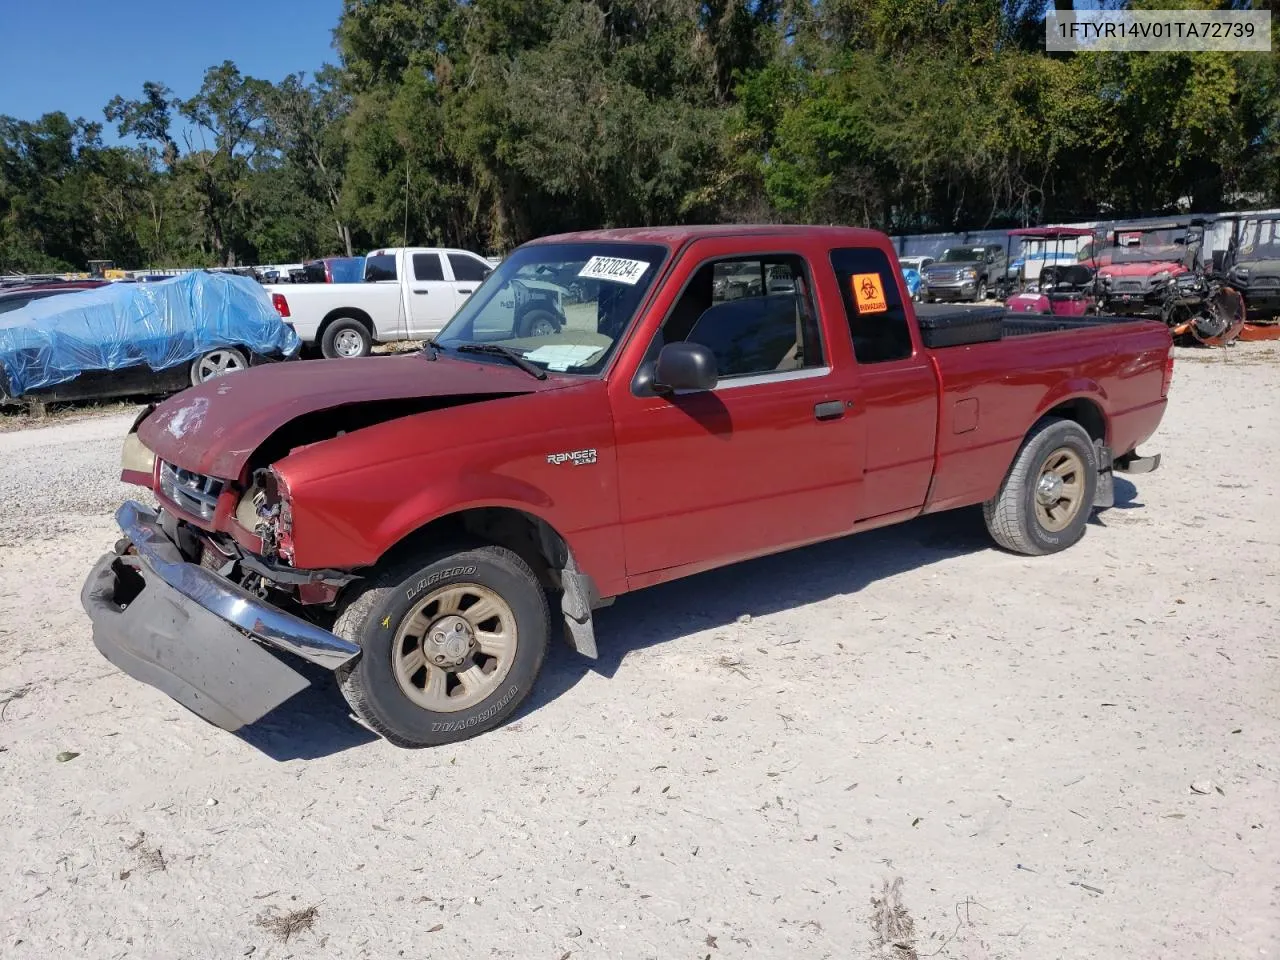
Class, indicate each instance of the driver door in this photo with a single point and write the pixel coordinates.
(768, 459)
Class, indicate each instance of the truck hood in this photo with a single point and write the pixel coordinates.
(214, 429)
(1259, 268)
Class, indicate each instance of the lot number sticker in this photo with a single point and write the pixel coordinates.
(868, 293)
(614, 268)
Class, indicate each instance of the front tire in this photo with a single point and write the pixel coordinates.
(980, 294)
(537, 323)
(1046, 499)
(450, 649)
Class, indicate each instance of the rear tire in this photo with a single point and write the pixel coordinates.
(427, 674)
(217, 363)
(1034, 513)
(346, 337)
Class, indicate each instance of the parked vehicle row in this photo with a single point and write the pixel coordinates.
(407, 293)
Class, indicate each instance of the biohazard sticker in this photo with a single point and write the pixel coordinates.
(868, 293)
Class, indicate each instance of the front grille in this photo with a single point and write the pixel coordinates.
(192, 492)
(945, 276)
(1127, 286)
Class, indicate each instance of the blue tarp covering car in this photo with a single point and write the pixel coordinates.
(168, 334)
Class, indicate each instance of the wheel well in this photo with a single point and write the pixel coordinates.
(347, 313)
(533, 539)
(1084, 412)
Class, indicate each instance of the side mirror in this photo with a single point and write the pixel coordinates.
(684, 366)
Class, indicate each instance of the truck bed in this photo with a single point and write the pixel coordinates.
(957, 325)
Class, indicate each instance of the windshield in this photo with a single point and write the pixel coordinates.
(1149, 246)
(563, 306)
(964, 255)
(1259, 240)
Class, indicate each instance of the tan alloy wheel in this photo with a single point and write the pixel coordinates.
(1060, 489)
(454, 647)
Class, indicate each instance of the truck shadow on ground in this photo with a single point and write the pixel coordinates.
(757, 588)
(317, 722)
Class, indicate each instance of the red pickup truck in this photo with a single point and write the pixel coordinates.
(702, 395)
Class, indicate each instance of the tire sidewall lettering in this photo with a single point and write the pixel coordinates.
(437, 578)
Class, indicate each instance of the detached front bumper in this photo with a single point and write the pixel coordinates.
(195, 635)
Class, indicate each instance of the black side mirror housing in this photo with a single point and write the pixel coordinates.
(684, 366)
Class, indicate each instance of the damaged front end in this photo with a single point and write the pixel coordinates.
(192, 614)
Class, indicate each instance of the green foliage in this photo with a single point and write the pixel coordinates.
(486, 123)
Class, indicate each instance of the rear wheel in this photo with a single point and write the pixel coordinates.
(215, 363)
(1047, 497)
(449, 649)
(346, 337)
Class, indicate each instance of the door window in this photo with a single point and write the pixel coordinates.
(426, 266)
(877, 318)
(468, 268)
(755, 314)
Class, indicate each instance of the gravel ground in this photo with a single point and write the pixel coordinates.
(905, 744)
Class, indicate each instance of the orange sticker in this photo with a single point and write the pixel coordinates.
(868, 293)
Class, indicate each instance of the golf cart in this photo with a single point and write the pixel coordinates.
(1137, 267)
(1053, 271)
(1252, 263)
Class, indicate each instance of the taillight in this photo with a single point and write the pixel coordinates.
(1168, 374)
(281, 304)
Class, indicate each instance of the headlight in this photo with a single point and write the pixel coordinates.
(136, 457)
(1241, 272)
(264, 510)
(970, 274)
(1104, 277)
(1162, 275)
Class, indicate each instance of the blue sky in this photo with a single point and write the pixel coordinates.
(75, 55)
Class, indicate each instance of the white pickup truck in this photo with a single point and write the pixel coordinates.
(408, 293)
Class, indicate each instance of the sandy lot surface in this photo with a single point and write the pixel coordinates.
(1008, 745)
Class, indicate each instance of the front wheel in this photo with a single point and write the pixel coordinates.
(449, 649)
(1047, 497)
(537, 323)
(981, 293)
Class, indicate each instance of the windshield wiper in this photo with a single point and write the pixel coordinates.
(498, 350)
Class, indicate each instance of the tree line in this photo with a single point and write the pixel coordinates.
(482, 124)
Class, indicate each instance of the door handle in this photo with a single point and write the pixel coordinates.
(466, 291)
(830, 410)
(422, 291)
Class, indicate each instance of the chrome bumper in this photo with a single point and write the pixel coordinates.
(194, 635)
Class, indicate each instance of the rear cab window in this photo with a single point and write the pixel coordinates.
(380, 268)
(873, 307)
